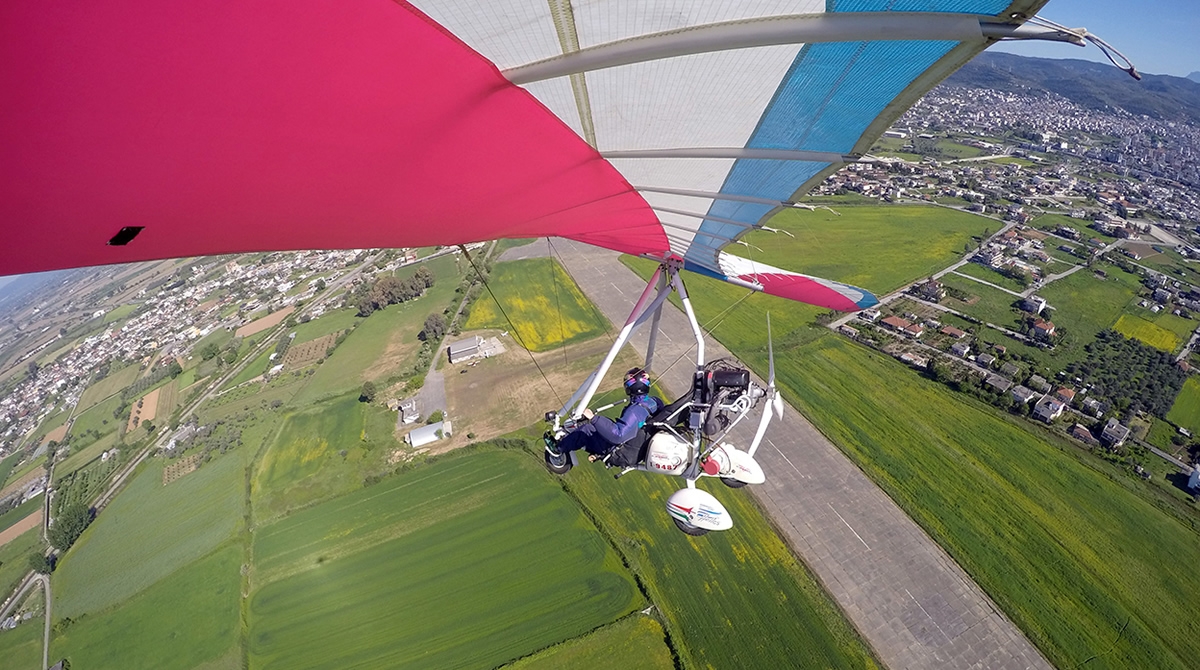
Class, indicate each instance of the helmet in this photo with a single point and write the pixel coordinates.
(637, 382)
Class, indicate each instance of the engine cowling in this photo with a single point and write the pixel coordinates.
(667, 454)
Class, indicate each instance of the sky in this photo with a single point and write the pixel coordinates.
(1159, 36)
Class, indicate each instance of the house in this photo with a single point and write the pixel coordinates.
(1039, 384)
(1033, 304)
(932, 290)
(1081, 433)
(1092, 405)
(869, 315)
(1043, 330)
(1114, 434)
(1065, 395)
(954, 332)
(915, 360)
(1023, 394)
(408, 411)
(985, 360)
(999, 383)
(1194, 479)
(428, 434)
(464, 350)
(895, 323)
(913, 330)
(848, 331)
(961, 349)
(1009, 370)
(1161, 295)
(1048, 409)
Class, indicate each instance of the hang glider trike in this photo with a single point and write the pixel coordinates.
(137, 130)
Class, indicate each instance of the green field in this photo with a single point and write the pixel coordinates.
(1087, 305)
(85, 454)
(844, 247)
(327, 324)
(1140, 329)
(633, 642)
(1060, 544)
(7, 465)
(149, 532)
(14, 559)
(992, 277)
(1186, 410)
(305, 462)
(96, 422)
(384, 344)
(472, 562)
(21, 648)
(546, 307)
(119, 313)
(111, 384)
(189, 619)
(253, 369)
(1051, 221)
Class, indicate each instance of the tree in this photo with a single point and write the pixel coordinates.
(41, 563)
(368, 392)
(33, 369)
(69, 525)
(436, 416)
(209, 351)
(435, 328)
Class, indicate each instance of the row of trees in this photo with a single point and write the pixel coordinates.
(391, 290)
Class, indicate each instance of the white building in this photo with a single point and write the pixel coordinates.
(428, 434)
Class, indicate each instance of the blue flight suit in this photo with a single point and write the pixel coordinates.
(601, 434)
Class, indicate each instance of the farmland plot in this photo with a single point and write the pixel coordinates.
(469, 562)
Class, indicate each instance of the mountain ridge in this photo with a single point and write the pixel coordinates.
(1096, 86)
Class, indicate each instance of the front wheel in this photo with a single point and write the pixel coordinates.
(733, 483)
(560, 464)
(689, 528)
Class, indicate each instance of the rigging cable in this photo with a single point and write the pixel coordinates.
(512, 328)
(707, 330)
(562, 332)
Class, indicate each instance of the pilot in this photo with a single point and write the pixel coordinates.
(600, 434)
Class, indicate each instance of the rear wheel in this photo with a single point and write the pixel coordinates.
(733, 483)
(560, 464)
(689, 528)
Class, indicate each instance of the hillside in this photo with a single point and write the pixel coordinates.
(1096, 86)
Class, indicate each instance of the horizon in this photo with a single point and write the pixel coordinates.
(1157, 37)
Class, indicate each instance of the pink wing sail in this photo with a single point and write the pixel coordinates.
(135, 130)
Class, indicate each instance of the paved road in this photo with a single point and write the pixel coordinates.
(908, 598)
